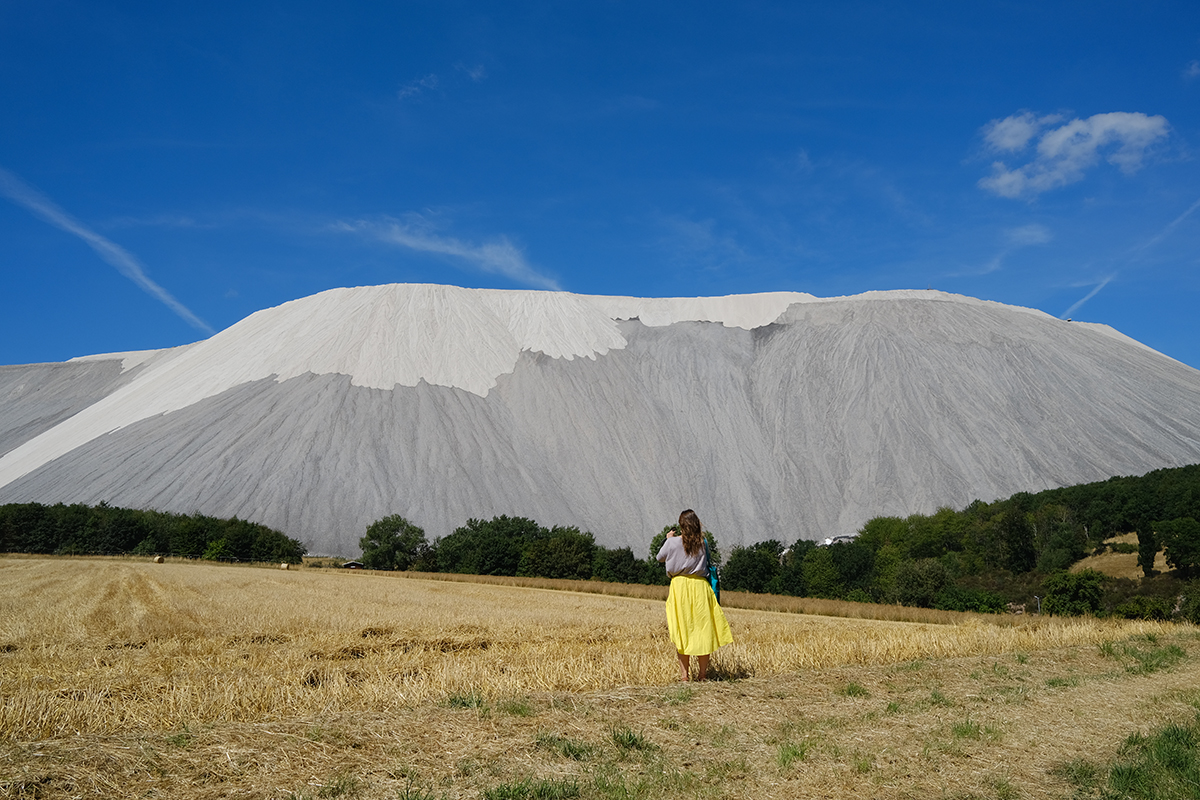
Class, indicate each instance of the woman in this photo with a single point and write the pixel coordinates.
(696, 623)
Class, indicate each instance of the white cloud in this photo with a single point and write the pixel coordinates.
(41, 206)
(415, 233)
(1027, 235)
(1192, 70)
(475, 73)
(1066, 152)
(418, 86)
(1013, 133)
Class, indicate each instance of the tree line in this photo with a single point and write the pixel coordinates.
(79, 529)
(507, 545)
(986, 555)
(980, 558)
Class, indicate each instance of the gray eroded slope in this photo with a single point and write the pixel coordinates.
(36, 397)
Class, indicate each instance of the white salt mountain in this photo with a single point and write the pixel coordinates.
(777, 415)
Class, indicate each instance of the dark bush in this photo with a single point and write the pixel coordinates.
(488, 548)
(1143, 607)
(1073, 594)
(959, 598)
(620, 566)
(564, 553)
(751, 569)
(918, 582)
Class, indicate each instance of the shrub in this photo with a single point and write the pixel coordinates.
(918, 582)
(959, 598)
(1189, 604)
(218, 550)
(1073, 594)
(1143, 607)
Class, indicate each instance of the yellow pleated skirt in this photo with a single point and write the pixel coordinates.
(696, 623)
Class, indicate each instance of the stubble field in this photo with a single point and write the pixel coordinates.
(121, 678)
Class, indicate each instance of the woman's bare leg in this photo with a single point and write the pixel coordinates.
(685, 666)
(702, 667)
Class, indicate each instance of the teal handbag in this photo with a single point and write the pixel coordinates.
(714, 579)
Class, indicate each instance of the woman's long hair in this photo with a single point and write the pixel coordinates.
(689, 529)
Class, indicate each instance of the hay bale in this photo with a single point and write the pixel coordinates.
(285, 565)
(158, 559)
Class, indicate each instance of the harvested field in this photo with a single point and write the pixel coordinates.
(124, 678)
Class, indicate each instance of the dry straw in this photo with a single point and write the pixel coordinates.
(93, 645)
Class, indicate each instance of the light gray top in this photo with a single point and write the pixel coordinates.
(679, 562)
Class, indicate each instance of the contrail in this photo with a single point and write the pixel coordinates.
(1174, 224)
(41, 206)
(1087, 297)
(1164, 233)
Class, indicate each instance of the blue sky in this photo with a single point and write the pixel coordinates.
(167, 169)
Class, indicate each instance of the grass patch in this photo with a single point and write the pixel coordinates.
(855, 690)
(1164, 765)
(529, 789)
(627, 739)
(728, 770)
(1144, 661)
(1081, 774)
(679, 695)
(789, 753)
(471, 699)
(516, 708)
(341, 786)
(182, 740)
(411, 792)
(1063, 683)
(966, 730)
(567, 748)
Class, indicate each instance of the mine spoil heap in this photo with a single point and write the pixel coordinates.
(777, 415)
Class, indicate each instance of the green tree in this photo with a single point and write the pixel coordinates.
(1148, 547)
(751, 569)
(821, 576)
(564, 553)
(882, 531)
(855, 563)
(1016, 531)
(790, 579)
(218, 550)
(1070, 594)
(919, 581)
(1181, 541)
(493, 547)
(391, 543)
(620, 565)
(272, 546)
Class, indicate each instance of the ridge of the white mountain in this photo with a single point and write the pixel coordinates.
(399, 335)
(382, 337)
